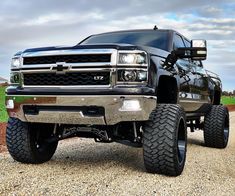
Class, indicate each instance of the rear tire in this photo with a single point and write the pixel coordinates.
(26, 142)
(216, 128)
(165, 140)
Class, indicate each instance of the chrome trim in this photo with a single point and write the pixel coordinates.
(70, 70)
(68, 52)
(70, 66)
(150, 97)
(112, 67)
(65, 117)
(113, 77)
(136, 65)
(132, 68)
(114, 58)
(66, 64)
(120, 83)
(68, 87)
(111, 104)
(112, 52)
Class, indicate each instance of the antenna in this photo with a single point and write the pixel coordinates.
(155, 27)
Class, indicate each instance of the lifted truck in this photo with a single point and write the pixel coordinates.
(138, 87)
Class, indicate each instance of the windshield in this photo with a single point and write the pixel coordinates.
(157, 39)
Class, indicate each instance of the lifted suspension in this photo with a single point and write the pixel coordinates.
(195, 125)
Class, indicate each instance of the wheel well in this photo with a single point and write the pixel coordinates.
(217, 97)
(167, 91)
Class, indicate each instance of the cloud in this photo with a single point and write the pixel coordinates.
(31, 23)
(210, 12)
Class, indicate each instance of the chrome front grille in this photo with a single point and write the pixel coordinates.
(75, 68)
(67, 79)
(69, 68)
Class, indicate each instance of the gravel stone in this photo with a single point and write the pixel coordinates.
(83, 167)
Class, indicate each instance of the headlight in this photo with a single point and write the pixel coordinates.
(132, 58)
(132, 76)
(15, 62)
(129, 75)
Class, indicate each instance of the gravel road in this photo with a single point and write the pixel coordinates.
(83, 167)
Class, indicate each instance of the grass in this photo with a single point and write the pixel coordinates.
(228, 100)
(3, 112)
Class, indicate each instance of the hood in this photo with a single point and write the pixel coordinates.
(86, 46)
(118, 46)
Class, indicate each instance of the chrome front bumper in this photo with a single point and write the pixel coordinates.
(117, 108)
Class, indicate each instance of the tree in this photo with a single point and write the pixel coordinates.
(225, 93)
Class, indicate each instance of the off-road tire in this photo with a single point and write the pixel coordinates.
(216, 127)
(163, 135)
(23, 141)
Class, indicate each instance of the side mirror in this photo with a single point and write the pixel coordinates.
(197, 51)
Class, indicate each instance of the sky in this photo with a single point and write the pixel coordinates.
(33, 23)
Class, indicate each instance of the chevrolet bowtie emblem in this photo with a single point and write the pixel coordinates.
(60, 67)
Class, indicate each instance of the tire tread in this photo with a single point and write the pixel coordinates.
(214, 127)
(159, 140)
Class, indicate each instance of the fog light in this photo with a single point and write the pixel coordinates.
(10, 104)
(130, 105)
(142, 76)
(15, 78)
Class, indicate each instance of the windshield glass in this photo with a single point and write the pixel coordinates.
(157, 39)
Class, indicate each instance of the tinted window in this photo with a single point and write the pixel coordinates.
(155, 39)
(187, 43)
(178, 42)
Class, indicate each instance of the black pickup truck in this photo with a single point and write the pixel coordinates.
(142, 88)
